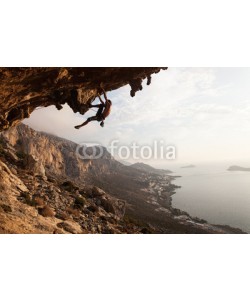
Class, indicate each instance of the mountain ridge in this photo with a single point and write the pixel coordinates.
(145, 167)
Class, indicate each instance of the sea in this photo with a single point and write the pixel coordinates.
(210, 192)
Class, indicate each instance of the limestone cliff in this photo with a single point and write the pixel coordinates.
(24, 89)
(36, 197)
(47, 154)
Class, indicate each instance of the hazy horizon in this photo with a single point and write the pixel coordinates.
(203, 112)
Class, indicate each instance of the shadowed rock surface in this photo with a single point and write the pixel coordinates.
(24, 89)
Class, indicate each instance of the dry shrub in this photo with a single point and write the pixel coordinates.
(46, 211)
(93, 208)
(79, 202)
(62, 216)
(38, 201)
(69, 186)
(73, 212)
(27, 199)
(6, 208)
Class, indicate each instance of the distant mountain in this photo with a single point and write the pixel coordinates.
(188, 166)
(147, 168)
(125, 163)
(237, 168)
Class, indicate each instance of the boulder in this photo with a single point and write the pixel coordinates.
(112, 205)
(96, 192)
(9, 181)
(70, 227)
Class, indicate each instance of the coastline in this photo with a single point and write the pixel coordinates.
(192, 216)
(161, 193)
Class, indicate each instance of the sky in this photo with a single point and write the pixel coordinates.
(203, 112)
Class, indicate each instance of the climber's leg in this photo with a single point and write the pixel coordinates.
(94, 118)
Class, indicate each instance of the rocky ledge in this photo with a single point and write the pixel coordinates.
(24, 89)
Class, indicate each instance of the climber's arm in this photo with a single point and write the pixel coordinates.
(100, 99)
(95, 105)
(105, 96)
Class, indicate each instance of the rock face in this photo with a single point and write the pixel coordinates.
(24, 89)
(29, 144)
(15, 217)
(57, 156)
(32, 204)
(34, 165)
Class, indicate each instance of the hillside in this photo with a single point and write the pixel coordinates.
(147, 168)
(46, 188)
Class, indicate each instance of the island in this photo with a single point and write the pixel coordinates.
(188, 166)
(238, 168)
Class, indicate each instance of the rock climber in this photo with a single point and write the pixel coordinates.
(103, 112)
